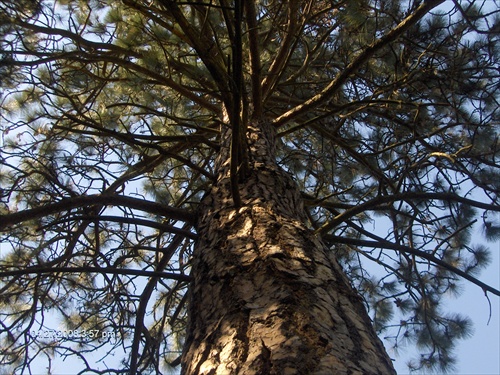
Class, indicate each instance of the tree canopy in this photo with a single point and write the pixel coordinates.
(112, 114)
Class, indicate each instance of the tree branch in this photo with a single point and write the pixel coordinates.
(130, 220)
(237, 127)
(373, 203)
(384, 244)
(144, 301)
(103, 49)
(91, 200)
(359, 60)
(102, 270)
(212, 57)
(276, 68)
(254, 55)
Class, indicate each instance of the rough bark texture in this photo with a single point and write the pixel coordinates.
(267, 296)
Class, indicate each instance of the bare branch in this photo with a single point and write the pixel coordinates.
(381, 243)
(99, 270)
(91, 200)
(357, 62)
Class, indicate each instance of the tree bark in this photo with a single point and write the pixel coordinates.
(267, 297)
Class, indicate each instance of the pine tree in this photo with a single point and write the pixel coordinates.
(197, 183)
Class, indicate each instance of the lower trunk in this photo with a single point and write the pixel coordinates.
(267, 296)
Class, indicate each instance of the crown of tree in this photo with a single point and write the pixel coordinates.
(115, 116)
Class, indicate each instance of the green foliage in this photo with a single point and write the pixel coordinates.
(111, 116)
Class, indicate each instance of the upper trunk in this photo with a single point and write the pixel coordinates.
(267, 297)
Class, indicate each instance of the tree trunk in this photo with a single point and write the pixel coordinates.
(267, 296)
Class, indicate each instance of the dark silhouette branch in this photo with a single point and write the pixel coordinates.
(356, 63)
(144, 301)
(90, 200)
(235, 113)
(128, 220)
(254, 56)
(101, 270)
(384, 244)
(381, 200)
(102, 52)
(205, 47)
(282, 56)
